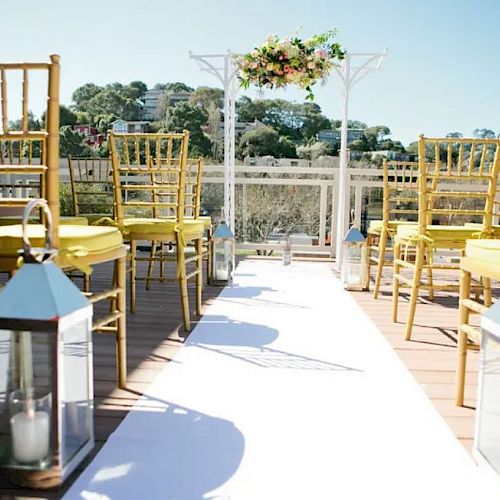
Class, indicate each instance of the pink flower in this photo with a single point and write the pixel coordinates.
(321, 53)
(287, 68)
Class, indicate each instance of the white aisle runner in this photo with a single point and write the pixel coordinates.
(285, 390)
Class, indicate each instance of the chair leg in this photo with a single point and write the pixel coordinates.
(86, 283)
(209, 255)
(382, 245)
(395, 281)
(430, 281)
(133, 275)
(465, 279)
(182, 277)
(368, 254)
(417, 275)
(121, 334)
(199, 276)
(487, 291)
(151, 265)
(162, 262)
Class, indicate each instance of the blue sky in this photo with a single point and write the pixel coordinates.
(441, 74)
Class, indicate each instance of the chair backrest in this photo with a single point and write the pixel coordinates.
(457, 181)
(192, 201)
(400, 199)
(32, 154)
(91, 185)
(149, 174)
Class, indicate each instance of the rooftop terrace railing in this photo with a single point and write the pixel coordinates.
(273, 201)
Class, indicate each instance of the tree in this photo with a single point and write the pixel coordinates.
(66, 116)
(207, 97)
(33, 123)
(185, 116)
(140, 87)
(174, 87)
(103, 122)
(71, 143)
(265, 141)
(299, 122)
(115, 98)
(483, 133)
(336, 124)
(314, 151)
(82, 95)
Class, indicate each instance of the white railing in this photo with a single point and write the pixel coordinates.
(323, 178)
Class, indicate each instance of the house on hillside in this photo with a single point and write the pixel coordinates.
(133, 127)
(91, 136)
(332, 137)
(152, 102)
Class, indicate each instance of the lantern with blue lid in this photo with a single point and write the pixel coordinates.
(354, 269)
(46, 390)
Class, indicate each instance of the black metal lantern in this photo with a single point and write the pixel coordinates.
(46, 391)
(222, 244)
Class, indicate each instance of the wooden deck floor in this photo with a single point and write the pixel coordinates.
(431, 354)
(154, 335)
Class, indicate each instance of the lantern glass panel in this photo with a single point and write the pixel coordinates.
(352, 270)
(26, 406)
(488, 430)
(221, 260)
(76, 397)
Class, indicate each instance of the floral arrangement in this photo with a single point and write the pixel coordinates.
(280, 62)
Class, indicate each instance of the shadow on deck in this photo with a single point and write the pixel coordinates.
(154, 335)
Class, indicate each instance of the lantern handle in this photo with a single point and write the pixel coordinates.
(47, 252)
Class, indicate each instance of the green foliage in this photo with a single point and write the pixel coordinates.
(174, 87)
(66, 116)
(207, 97)
(299, 122)
(186, 116)
(483, 133)
(82, 95)
(264, 141)
(103, 122)
(336, 124)
(33, 123)
(113, 99)
(315, 150)
(70, 143)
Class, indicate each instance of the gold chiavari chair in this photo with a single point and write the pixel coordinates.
(91, 187)
(149, 177)
(160, 254)
(399, 206)
(457, 185)
(482, 258)
(79, 246)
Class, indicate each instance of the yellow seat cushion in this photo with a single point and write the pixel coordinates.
(376, 226)
(70, 220)
(496, 228)
(166, 228)
(484, 250)
(454, 236)
(91, 240)
(206, 219)
(91, 218)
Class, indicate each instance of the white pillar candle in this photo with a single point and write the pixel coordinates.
(222, 273)
(30, 436)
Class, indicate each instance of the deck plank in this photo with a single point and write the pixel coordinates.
(431, 353)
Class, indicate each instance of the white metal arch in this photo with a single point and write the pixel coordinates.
(353, 68)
